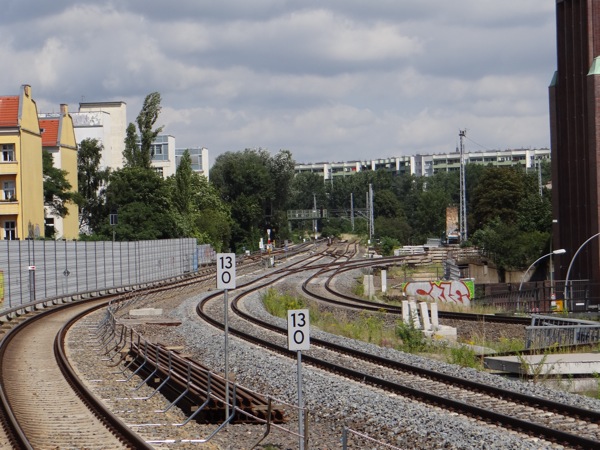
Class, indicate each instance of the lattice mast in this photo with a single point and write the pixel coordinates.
(463, 190)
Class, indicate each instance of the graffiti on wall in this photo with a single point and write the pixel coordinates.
(460, 292)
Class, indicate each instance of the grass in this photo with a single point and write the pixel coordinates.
(380, 329)
(377, 328)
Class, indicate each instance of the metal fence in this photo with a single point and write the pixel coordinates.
(543, 297)
(33, 270)
(547, 331)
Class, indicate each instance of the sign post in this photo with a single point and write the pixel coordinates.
(298, 340)
(226, 281)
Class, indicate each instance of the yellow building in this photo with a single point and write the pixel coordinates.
(58, 138)
(21, 180)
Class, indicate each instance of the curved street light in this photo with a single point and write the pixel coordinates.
(559, 251)
(571, 264)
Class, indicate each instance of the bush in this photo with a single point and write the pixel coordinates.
(412, 339)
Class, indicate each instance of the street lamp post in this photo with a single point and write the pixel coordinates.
(559, 251)
(571, 264)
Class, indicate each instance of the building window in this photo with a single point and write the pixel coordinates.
(8, 152)
(10, 230)
(8, 191)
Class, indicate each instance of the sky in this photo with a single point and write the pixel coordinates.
(329, 80)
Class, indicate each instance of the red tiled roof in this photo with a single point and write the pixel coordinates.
(9, 111)
(50, 132)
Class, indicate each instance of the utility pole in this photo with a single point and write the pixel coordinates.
(352, 210)
(540, 178)
(371, 215)
(315, 216)
(463, 189)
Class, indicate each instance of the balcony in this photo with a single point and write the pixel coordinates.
(9, 167)
(9, 207)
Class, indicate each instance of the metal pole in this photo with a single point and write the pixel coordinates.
(555, 252)
(352, 210)
(300, 402)
(463, 190)
(315, 216)
(226, 343)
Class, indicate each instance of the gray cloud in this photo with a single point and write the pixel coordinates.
(339, 80)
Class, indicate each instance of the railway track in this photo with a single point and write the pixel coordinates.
(35, 387)
(383, 373)
(43, 402)
(551, 421)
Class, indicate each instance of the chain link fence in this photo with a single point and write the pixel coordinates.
(33, 270)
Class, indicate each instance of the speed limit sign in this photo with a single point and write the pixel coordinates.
(225, 270)
(298, 329)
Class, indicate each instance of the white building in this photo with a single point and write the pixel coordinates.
(106, 122)
(199, 156)
(163, 155)
(428, 164)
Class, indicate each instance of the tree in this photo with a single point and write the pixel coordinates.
(131, 154)
(57, 190)
(140, 154)
(386, 204)
(497, 194)
(256, 187)
(182, 191)
(200, 213)
(140, 198)
(145, 121)
(92, 185)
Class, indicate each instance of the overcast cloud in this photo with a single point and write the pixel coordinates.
(329, 80)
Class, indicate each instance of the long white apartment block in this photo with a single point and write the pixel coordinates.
(429, 164)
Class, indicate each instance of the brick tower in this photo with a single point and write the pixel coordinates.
(575, 138)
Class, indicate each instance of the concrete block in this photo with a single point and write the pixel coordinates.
(445, 332)
(414, 314)
(369, 286)
(435, 322)
(144, 312)
(405, 312)
(559, 364)
(425, 316)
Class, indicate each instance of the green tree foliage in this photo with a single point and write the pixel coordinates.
(140, 155)
(141, 200)
(497, 194)
(396, 228)
(145, 121)
(511, 220)
(92, 185)
(198, 209)
(131, 154)
(57, 190)
(256, 186)
(508, 246)
(386, 204)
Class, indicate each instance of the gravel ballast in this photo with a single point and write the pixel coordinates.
(335, 402)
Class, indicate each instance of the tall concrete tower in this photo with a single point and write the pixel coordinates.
(575, 138)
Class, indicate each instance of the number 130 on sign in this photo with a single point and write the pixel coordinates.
(225, 270)
(298, 329)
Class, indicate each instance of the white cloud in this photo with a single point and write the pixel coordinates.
(328, 80)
